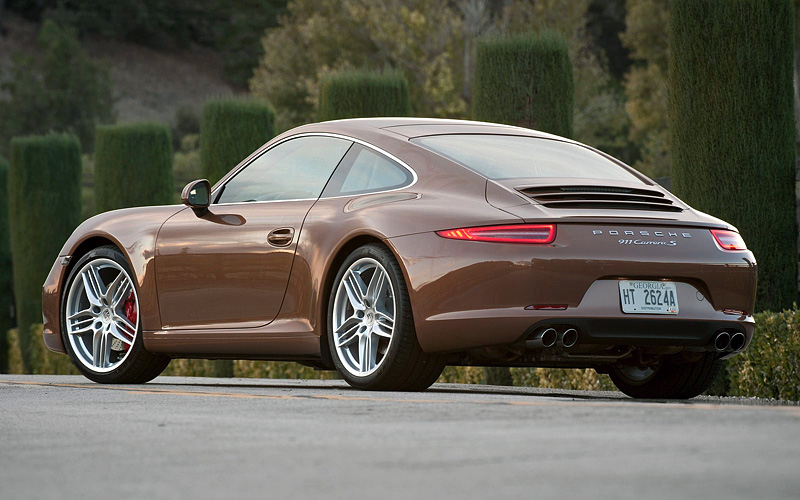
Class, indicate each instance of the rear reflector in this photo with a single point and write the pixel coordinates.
(546, 307)
(728, 240)
(518, 233)
(734, 312)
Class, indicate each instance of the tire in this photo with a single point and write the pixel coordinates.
(669, 380)
(399, 362)
(122, 357)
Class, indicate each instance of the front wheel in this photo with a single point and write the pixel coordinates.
(667, 380)
(371, 328)
(100, 321)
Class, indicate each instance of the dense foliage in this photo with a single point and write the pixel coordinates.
(525, 80)
(233, 28)
(361, 94)
(45, 206)
(647, 38)
(770, 366)
(230, 130)
(132, 166)
(6, 296)
(732, 127)
(64, 91)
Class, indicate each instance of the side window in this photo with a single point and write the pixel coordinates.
(364, 170)
(295, 169)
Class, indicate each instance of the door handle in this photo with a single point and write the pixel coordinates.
(281, 237)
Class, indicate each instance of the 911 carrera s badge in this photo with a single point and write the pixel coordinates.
(635, 240)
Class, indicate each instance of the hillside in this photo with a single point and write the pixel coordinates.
(148, 84)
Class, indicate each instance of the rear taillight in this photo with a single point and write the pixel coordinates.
(728, 240)
(519, 233)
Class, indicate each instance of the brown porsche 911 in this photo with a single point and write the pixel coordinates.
(388, 248)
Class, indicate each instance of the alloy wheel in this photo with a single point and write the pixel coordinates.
(363, 316)
(102, 315)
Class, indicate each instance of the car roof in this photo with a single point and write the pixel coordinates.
(416, 127)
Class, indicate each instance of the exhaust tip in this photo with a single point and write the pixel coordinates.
(722, 341)
(569, 338)
(542, 339)
(549, 337)
(737, 341)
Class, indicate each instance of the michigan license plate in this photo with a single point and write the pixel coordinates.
(648, 297)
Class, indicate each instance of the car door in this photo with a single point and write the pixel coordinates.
(229, 267)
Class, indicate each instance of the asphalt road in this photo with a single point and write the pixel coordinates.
(65, 437)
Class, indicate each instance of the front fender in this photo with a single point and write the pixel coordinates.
(133, 231)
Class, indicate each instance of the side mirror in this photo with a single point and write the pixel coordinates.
(197, 194)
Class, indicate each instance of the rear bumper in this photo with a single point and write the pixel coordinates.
(468, 294)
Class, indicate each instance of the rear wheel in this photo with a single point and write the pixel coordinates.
(100, 321)
(667, 380)
(371, 329)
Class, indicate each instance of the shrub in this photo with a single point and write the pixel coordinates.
(231, 129)
(6, 297)
(770, 366)
(361, 94)
(525, 80)
(41, 360)
(133, 166)
(45, 206)
(732, 127)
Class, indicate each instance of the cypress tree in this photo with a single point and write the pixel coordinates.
(732, 127)
(525, 80)
(230, 130)
(133, 166)
(361, 94)
(6, 297)
(44, 187)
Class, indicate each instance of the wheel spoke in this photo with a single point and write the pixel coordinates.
(101, 349)
(364, 349)
(355, 293)
(81, 322)
(375, 285)
(125, 323)
(93, 286)
(347, 332)
(120, 333)
(118, 290)
(381, 330)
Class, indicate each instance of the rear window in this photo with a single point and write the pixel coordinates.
(510, 157)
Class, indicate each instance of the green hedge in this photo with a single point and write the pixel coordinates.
(45, 206)
(230, 130)
(132, 166)
(362, 94)
(525, 80)
(6, 297)
(732, 127)
(768, 368)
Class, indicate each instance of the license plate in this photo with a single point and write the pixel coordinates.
(648, 297)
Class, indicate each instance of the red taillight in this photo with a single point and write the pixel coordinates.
(729, 240)
(518, 233)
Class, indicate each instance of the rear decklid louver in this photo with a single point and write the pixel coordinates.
(600, 197)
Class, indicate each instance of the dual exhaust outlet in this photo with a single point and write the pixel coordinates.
(550, 337)
(729, 341)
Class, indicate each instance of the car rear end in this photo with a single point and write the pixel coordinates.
(591, 270)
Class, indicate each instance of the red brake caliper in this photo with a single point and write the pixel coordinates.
(130, 312)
